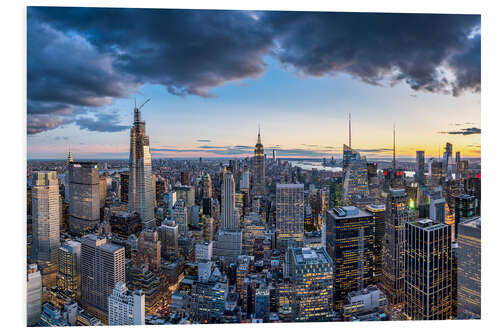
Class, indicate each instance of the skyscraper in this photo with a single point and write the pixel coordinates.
(125, 307)
(378, 214)
(420, 168)
(259, 176)
(355, 182)
(469, 268)
(458, 171)
(68, 277)
(102, 267)
(427, 270)
(311, 274)
(169, 237)
(84, 201)
(180, 216)
(46, 214)
(289, 214)
(230, 219)
(207, 186)
(350, 238)
(34, 295)
(447, 156)
(396, 216)
(66, 187)
(140, 187)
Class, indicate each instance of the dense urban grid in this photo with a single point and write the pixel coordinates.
(252, 240)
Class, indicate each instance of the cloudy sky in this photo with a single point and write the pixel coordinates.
(214, 76)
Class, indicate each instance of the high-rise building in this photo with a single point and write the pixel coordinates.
(350, 240)
(259, 170)
(207, 186)
(203, 251)
(66, 176)
(102, 266)
(230, 218)
(102, 190)
(84, 201)
(180, 216)
(124, 178)
(458, 165)
(68, 277)
(469, 268)
(437, 209)
(169, 237)
(435, 173)
(447, 156)
(289, 214)
(125, 307)
(46, 215)
(149, 249)
(427, 270)
(355, 182)
(466, 206)
(396, 216)
(262, 303)
(369, 304)
(34, 295)
(140, 187)
(185, 178)
(420, 168)
(378, 214)
(311, 275)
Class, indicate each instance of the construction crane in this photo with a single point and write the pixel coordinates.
(143, 103)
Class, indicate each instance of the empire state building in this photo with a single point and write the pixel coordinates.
(259, 168)
(140, 188)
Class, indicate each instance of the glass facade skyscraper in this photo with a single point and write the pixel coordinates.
(289, 214)
(46, 214)
(140, 186)
(259, 169)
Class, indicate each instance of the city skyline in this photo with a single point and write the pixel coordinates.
(215, 107)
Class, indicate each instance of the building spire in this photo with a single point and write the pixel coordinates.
(258, 136)
(350, 131)
(394, 147)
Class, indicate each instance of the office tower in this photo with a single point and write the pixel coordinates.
(125, 307)
(140, 187)
(350, 240)
(420, 168)
(447, 156)
(169, 237)
(185, 178)
(259, 171)
(427, 270)
(149, 249)
(369, 304)
(169, 199)
(102, 190)
(207, 186)
(355, 182)
(378, 214)
(289, 214)
(262, 303)
(245, 179)
(437, 209)
(458, 171)
(123, 224)
(203, 251)
(124, 179)
(84, 201)
(180, 216)
(194, 216)
(66, 176)
(34, 295)
(311, 275)
(230, 220)
(466, 206)
(436, 173)
(227, 244)
(102, 265)
(469, 268)
(396, 216)
(68, 277)
(46, 215)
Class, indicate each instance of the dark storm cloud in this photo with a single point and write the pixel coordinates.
(376, 48)
(104, 122)
(80, 59)
(464, 131)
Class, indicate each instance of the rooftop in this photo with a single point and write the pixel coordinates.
(306, 255)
